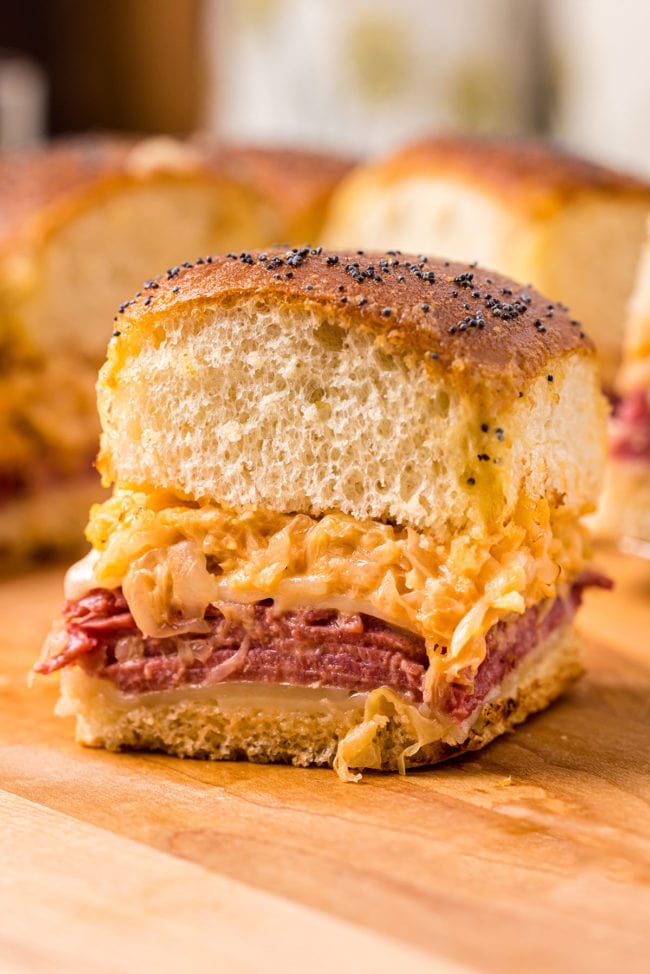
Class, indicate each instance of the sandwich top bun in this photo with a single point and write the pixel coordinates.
(404, 389)
(534, 212)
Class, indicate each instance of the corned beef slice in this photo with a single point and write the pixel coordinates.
(307, 647)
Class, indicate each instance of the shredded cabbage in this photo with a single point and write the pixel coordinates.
(169, 595)
(360, 749)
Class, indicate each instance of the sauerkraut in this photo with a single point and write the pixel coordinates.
(361, 749)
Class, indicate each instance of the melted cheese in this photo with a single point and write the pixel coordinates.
(173, 558)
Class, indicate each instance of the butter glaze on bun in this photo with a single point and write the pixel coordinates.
(345, 522)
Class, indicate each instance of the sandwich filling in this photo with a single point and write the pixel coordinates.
(174, 558)
(175, 594)
(306, 647)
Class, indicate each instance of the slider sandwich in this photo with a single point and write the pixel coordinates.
(345, 523)
(624, 509)
(82, 223)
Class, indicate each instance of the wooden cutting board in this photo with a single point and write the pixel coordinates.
(533, 855)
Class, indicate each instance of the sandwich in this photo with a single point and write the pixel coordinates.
(530, 210)
(345, 522)
(624, 509)
(82, 223)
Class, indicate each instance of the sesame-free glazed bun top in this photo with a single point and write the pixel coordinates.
(406, 389)
(529, 209)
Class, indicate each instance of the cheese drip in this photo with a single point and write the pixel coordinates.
(173, 558)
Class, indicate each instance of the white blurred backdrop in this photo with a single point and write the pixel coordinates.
(361, 76)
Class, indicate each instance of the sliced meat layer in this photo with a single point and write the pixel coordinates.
(507, 643)
(307, 647)
(630, 427)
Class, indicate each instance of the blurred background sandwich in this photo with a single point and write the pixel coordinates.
(625, 505)
(572, 229)
(83, 223)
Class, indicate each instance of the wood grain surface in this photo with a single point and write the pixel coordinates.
(533, 855)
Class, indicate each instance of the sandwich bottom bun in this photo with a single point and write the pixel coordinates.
(309, 726)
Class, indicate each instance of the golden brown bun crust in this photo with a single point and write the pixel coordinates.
(437, 310)
(534, 175)
(294, 184)
(37, 178)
